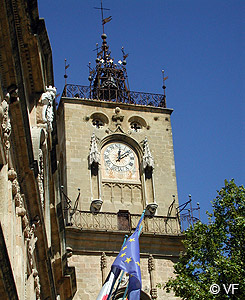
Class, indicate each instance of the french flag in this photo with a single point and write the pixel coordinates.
(107, 287)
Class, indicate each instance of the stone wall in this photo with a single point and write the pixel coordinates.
(89, 275)
(33, 262)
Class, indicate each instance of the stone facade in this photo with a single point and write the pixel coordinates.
(33, 258)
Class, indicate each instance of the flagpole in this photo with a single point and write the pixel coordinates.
(142, 217)
(125, 293)
(119, 281)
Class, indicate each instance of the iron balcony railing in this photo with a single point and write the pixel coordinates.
(114, 95)
(126, 222)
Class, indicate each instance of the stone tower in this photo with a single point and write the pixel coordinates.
(116, 159)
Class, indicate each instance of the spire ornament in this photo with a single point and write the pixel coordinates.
(104, 20)
(94, 154)
(108, 80)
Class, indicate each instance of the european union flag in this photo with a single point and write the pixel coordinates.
(128, 260)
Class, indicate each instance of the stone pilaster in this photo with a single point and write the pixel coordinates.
(103, 266)
(151, 270)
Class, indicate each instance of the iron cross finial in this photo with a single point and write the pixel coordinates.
(106, 20)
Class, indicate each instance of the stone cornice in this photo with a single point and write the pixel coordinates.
(87, 241)
(98, 103)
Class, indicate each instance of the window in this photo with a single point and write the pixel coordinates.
(99, 120)
(135, 126)
(137, 123)
(97, 123)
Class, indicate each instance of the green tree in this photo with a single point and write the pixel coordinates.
(215, 252)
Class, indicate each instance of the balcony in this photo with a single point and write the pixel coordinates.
(114, 95)
(122, 221)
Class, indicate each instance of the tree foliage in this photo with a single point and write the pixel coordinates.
(215, 252)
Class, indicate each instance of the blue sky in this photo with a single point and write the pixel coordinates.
(199, 45)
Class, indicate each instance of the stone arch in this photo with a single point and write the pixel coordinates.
(100, 118)
(137, 120)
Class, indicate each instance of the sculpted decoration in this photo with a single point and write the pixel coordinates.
(40, 177)
(28, 228)
(48, 114)
(103, 261)
(148, 160)
(17, 196)
(5, 122)
(39, 136)
(94, 154)
(37, 284)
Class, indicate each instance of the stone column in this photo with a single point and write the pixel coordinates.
(151, 270)
(103, 266)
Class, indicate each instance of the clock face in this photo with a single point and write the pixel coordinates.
(120, 162)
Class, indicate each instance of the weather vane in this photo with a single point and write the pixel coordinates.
(164, 85)
(124, 54)
(106, 20)
(65, 76)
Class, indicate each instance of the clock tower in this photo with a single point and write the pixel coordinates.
(115, 160)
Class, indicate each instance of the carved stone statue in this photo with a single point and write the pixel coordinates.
(5, 123)
(48, 114)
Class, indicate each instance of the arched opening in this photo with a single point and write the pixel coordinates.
(137, 123)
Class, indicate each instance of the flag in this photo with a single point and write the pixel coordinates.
(100, 53)
(106, 20)
(128, 260)
(108, 284)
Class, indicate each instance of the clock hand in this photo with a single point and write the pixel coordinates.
(119, 155)
(125, 154)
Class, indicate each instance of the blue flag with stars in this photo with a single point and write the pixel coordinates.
(128, 260)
